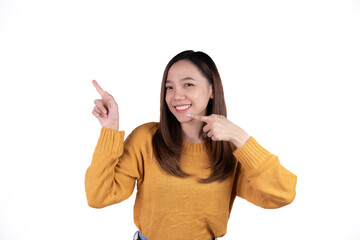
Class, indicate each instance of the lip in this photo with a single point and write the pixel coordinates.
(181, 111)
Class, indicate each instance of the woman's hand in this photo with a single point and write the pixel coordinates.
(106, 109)
(219, 128)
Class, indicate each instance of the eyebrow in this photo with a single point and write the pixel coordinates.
(183, 79)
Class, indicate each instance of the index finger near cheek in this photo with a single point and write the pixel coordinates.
(201, 118)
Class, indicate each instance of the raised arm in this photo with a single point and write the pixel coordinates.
(106, 109)
(260, 179)
(115, 165)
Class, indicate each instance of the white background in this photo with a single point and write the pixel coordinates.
(290, 71)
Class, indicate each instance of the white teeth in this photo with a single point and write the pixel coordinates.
(182, 107)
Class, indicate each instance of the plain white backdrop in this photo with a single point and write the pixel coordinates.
(290, 71)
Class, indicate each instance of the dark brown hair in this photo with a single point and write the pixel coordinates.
(167, 141)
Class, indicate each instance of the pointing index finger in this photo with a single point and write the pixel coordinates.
(98, 88)
(200, 118)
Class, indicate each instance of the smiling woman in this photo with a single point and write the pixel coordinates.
(187, 88)
(190, 166)
(191, 80)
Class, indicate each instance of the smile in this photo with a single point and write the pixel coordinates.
(182, 107)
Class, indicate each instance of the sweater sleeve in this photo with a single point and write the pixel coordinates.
(114, 168)
(261, 179)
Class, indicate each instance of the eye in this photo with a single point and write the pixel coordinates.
(168, 88)
(188, 84)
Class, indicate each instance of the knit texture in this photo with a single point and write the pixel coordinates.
(169, 207)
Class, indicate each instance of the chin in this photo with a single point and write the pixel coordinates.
(183, 119)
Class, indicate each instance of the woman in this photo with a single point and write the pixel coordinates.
(188, 167)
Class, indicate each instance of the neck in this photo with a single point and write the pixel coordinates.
(192, 131)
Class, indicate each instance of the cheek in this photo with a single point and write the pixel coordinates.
(203, 98)
(168, 99)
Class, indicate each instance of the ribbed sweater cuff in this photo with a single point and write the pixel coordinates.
(251, 155)
(110, 140)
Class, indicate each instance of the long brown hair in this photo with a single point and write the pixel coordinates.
(167, 141)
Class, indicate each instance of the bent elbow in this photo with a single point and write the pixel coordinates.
(277, 201)
(288, 198)
(291, 192)
(97, 199)
(93, 201)
(281, 200)
(288, 194)
(95, 204)
(100, 201)
(291, 197)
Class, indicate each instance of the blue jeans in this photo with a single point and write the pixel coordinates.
(139, 236)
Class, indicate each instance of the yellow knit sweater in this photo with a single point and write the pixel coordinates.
(169, 207)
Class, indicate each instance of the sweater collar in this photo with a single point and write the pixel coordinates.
(196, 147)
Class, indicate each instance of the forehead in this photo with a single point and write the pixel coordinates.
(184, 69)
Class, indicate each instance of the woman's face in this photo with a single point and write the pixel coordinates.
(187, 90)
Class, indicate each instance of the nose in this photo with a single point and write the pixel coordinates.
(179, 94)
